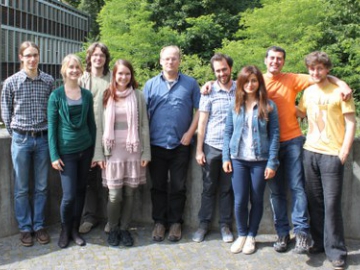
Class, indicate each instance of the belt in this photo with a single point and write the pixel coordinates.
(31, 133)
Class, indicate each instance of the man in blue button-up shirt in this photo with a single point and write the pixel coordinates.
(171, 99)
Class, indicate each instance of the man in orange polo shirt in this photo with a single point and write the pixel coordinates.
(282, 89)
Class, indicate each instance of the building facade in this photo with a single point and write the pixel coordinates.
(58, 29)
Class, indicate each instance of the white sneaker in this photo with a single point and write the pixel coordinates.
(249, 246)
(238, 244)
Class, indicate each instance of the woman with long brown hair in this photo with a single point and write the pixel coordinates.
(122, 148)
(251, 144)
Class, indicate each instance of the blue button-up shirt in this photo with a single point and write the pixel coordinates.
(170, 108)
(217, 104)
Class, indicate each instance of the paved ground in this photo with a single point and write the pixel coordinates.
(146, 254)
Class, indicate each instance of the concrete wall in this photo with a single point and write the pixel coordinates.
(142, 211)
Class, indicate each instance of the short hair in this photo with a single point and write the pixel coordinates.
(275, 49)
(23, 46)
(90, 51)
(176, 48)
(65, 64)
(318, 57)
(220, 57)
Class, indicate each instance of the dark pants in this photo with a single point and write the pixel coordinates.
(73, 182)
(214, 179)
(96, 197)
(323, 182)
(168, 195)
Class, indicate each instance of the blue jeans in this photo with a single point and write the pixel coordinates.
(248, 181)
(215, 179)
(290, 174)
(30, 154)
(323, 182)
(74, 181)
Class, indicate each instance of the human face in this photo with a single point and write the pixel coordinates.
(122, 77)
(98, 59)
(30, 59)
(222, 72)
(73, 70)
(274, 62)
(251, 85)
(318, 73)
(170, 60)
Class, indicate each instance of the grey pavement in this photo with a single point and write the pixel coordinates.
(146, 254)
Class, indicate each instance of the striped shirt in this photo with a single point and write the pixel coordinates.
(217, 104)
(24, 101)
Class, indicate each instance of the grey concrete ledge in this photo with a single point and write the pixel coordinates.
(142, 211)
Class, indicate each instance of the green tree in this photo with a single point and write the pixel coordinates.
(295, 28)
(341, 39)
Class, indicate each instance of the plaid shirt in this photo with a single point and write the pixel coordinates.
(24, 101)
(217, 104)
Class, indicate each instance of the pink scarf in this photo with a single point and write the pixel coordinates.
(132, 140)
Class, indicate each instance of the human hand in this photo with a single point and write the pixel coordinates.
(206, 88)
(58, 164)
(102, 164)
(269, 173)
(200, 158)
(227, 167)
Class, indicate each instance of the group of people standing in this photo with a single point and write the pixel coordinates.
(102, 140)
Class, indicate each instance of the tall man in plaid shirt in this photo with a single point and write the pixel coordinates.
(24, 105)
(213, 111)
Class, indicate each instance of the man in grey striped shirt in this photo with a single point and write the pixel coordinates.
(24, 111)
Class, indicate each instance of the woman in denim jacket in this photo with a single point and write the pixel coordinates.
(251, 144)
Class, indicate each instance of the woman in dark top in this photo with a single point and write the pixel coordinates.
(72, 134)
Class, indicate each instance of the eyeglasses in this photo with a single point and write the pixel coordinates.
(35, 55)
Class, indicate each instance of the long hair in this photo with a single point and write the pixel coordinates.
(261, 94)
(111, 91)
(24, 46)
(90, 52)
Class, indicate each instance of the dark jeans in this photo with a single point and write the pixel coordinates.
(324, 179)
(96, 197)
(168, 195)
(73, 182)
(290, 174)
(214, 179)
(248, 182)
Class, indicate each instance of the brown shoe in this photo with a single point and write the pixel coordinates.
(26, 239)
(158, 233)
(42, 236)
(175, 232)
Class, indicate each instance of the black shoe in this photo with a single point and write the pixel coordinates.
(338, 264)
(316, 250)
(114, 237)
(64, 237)
(76, 236)
(282, 242)
(126, 238)
(302, 243)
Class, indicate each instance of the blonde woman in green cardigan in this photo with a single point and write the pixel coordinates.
(71, 133)
(122, 148)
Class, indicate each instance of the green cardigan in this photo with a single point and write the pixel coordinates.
(65, 136)
(143, 130)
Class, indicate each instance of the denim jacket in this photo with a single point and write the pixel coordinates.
(265, 135)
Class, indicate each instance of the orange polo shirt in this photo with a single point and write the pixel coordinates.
(283, 89)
